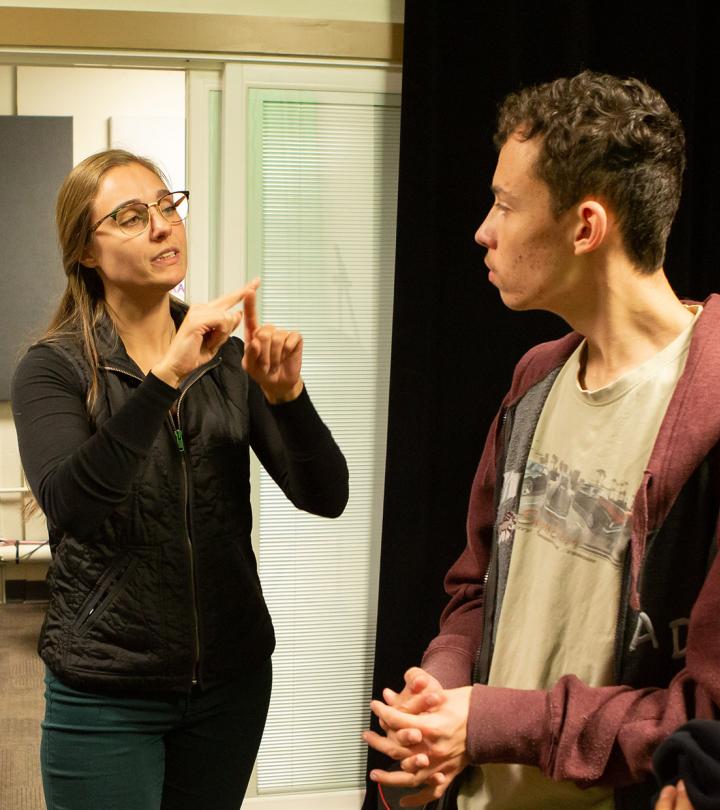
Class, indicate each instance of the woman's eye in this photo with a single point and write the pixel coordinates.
(128, 219)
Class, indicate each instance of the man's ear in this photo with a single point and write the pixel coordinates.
(592, 226)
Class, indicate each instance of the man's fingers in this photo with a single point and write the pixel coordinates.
(422, 797)
(397, 778)
(389, 696)
(674, 798)
(423, 702)
(416, 678)
(395, 719)
(667, 798)
(386, 746)
(415, 763)
(418, 684)
(682, 802)
(409, 736)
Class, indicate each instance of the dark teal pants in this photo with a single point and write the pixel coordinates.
(194, 752)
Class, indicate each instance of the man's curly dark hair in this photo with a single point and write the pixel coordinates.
(608, 137)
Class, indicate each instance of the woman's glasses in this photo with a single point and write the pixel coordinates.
(134, 218)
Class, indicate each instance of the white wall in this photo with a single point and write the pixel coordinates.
(367, 10)
(137, 101)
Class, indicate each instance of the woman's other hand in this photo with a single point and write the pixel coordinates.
(273, 356)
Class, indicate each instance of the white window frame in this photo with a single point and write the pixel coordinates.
(206, 74)
(239, 79)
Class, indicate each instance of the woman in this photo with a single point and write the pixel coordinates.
(135, 416)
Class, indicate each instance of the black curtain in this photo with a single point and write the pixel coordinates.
(454, 344)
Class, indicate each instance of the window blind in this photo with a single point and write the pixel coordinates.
(322, 197)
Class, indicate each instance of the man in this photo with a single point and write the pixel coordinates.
(568, 649)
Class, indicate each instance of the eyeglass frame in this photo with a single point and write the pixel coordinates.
(148, 206)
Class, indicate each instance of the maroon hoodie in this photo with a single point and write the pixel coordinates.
(667, 650)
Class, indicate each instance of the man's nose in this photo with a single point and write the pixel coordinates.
(484, 235)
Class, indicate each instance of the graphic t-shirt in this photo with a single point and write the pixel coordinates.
(568, 541)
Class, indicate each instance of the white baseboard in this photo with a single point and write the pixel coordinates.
(331, 800)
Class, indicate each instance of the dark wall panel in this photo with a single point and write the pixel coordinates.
(35, 156)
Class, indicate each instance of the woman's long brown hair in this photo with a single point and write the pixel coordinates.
(83, 302)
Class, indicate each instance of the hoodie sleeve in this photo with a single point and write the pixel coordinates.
(589, 735)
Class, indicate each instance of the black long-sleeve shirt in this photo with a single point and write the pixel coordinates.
(153, 581)
(80, 475)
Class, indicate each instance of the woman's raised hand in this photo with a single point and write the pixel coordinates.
(273, 357)
(203, 331)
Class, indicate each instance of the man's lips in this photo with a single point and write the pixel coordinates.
(492, 275)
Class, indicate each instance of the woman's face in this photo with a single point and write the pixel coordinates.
(148, 263)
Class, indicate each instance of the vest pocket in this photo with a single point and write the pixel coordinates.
(104, 593)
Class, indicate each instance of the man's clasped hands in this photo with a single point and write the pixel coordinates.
(426, 730)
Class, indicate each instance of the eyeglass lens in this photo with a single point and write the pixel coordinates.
(135, 218)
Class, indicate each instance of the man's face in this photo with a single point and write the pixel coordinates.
(529, 252)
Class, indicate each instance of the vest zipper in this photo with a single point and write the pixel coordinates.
(123, 371)
(178, 435)
(176, 426)
(180, 442)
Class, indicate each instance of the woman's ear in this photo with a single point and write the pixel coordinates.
(592, 226)
(88, 259)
